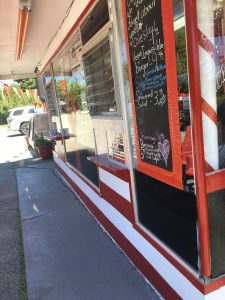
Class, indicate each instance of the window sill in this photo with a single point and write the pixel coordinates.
(102, 161)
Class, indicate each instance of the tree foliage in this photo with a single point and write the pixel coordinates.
(71, 96)
(7, 103)
(27, 84)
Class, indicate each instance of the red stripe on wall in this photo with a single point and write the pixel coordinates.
(206, 44)
(209, 111)
(140, 262)
(117, 201)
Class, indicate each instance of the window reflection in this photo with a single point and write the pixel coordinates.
(77, 127)
(85, 88)
(211, 56)
(183, 96)
(218, 15)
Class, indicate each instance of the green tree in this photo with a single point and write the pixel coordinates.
(27, 84)
(9, 102)
(72, 94)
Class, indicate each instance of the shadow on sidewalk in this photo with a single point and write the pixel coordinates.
(67, 254)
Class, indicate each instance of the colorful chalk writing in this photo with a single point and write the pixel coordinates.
(148, 66)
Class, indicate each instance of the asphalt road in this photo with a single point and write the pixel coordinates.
(13, 152)
(13, 146)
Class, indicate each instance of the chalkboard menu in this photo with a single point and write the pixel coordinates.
(148, 67)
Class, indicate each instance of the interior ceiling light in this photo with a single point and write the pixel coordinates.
(22, 26)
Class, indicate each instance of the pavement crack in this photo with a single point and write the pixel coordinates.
(38, 216)
(8, 209)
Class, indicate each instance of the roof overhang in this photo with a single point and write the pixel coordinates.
(42, 27)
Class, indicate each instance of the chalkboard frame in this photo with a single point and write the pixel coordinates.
(173, 177)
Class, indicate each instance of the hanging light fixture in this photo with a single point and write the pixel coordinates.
(22, 26)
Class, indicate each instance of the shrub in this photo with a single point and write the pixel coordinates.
(40, 140)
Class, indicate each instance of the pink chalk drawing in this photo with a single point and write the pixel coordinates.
(164, 149)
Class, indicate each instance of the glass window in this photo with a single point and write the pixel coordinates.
(116, 146)
(48, 95)
(211, 29)
(211, 56)
(18, 112)
(77, 127)
(96, 19)
(100, 95)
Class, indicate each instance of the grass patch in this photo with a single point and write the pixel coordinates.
(3, 125)
(23, 283)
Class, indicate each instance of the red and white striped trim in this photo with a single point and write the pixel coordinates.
(120, 186)
(161, 266)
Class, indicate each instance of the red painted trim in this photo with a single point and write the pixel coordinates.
(205, 289)
(209, 111)
(171, 259)
(197, 135)
(206, 44)
(77, 156)
(215, 285)
(69, 34)
(112, 167)
(140, 262)
(117, 201)
(173, 178)
(215, 181)
(208, 167)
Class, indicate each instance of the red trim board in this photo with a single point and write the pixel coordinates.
(117, 201)
(197, 134)
(215, 181)
(173, 177)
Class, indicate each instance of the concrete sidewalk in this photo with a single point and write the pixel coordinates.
(67, 254)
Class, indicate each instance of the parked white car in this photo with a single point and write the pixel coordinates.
(19, 118)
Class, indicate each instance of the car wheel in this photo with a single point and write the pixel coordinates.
(24, 128)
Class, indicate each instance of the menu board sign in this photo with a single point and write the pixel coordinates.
(150, 77)
(51, 100)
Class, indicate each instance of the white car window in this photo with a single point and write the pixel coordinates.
(31, 111)
(18, 112)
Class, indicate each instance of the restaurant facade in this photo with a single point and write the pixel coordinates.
(135, 93)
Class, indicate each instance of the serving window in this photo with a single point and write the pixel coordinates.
(86, 84)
